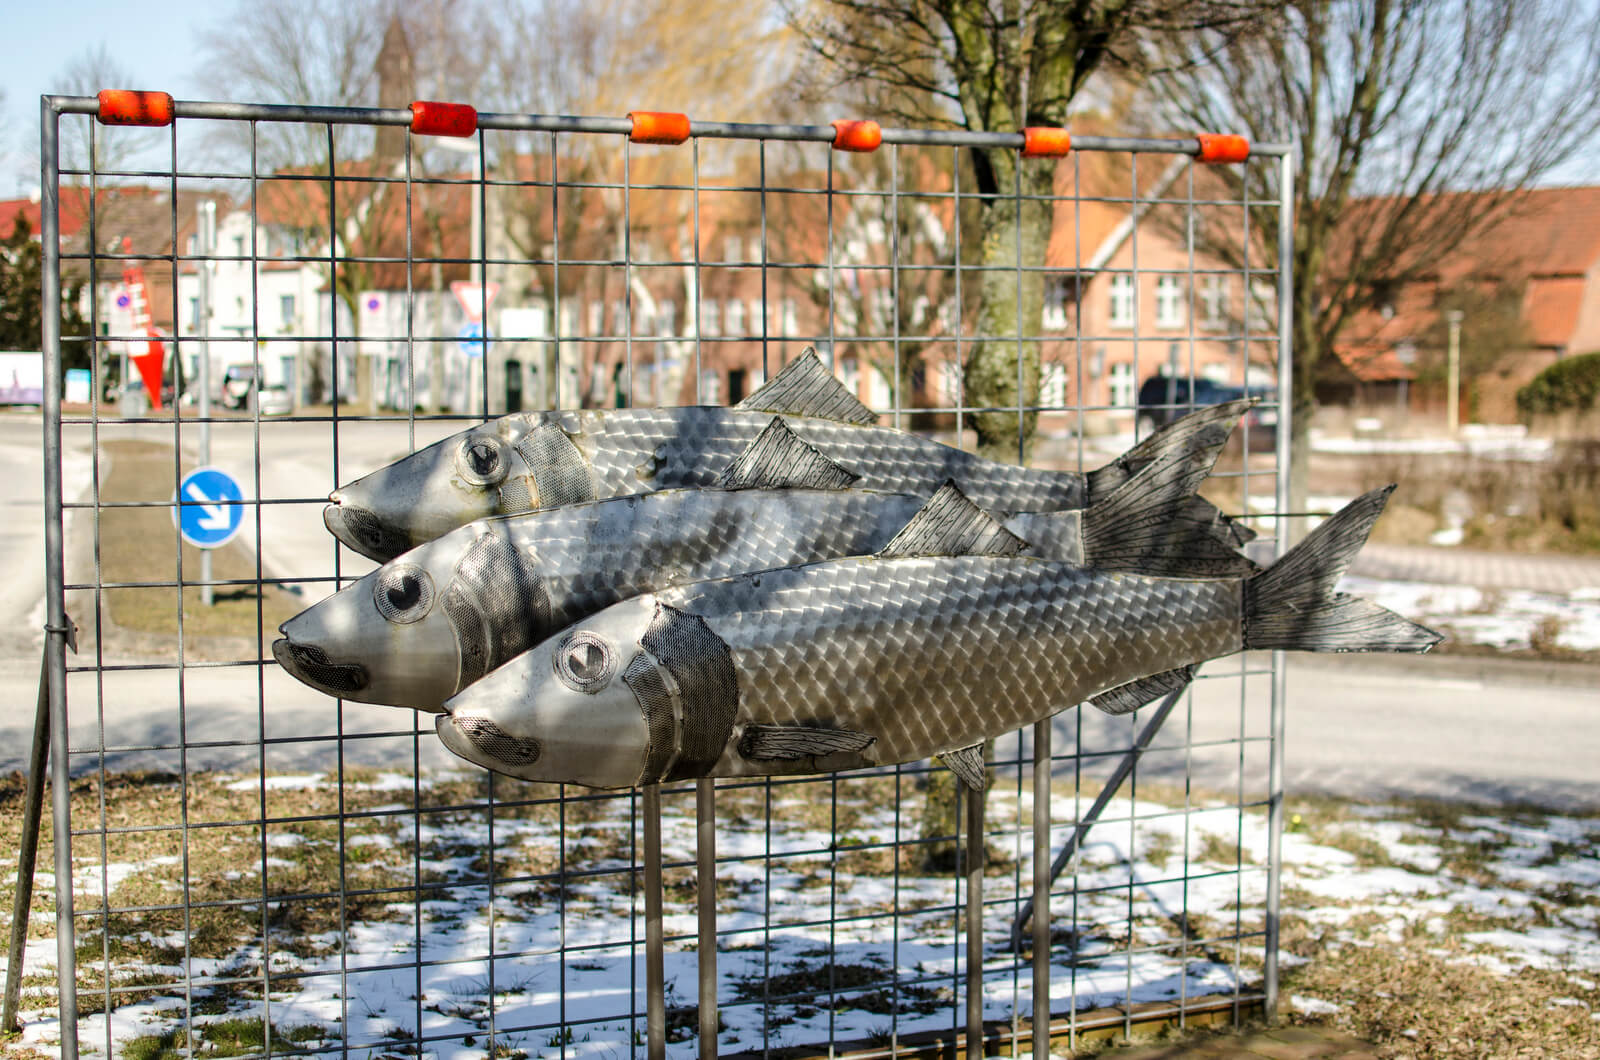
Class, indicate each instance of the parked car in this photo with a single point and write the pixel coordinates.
(273, 400)
(1164, 398)
(238, 380)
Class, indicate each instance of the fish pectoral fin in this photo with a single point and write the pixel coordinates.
(1125, 699)
(789, 742)
(967, 764)
(951, 525)
(806, 388)
(780, 459)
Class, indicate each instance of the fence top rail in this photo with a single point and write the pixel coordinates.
(566, 123)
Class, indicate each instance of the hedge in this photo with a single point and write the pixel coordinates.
(1571, 383)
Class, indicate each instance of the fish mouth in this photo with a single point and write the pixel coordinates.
(488, 740)
(362, 530)
(311, 665)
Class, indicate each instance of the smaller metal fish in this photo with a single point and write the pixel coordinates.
(536, 460)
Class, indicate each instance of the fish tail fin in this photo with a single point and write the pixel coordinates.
(1204, 430)
(1154, 524)
(1291, 605)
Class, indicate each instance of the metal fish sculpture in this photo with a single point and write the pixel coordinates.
(943, 639)
(529, 461)
(424, 626)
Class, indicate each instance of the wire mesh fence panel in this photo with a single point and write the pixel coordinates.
(296, 298)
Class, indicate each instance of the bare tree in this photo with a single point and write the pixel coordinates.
(997, 67)
(1418, 125)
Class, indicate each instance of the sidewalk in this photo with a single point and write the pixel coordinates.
(1483, 570)
(1282, 1043)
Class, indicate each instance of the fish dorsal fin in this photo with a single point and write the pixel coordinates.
(781, 459)
(806, 388)
(951, 525)
(967, 764)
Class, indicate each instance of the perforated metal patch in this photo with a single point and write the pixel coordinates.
(560, 473)
(655, 702)
(708, 686)
(498, 744)
(516, 496)
(498, 605)
(312, 665)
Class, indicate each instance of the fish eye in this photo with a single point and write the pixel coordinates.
(584, 662)
(403, 593)
(481, 460)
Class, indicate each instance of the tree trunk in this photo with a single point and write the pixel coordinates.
(1009, 226)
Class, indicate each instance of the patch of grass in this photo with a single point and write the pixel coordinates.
(141, 545)
(220, 1038)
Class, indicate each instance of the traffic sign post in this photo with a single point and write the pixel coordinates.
(208, 510)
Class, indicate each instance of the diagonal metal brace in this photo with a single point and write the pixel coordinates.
(28, 851)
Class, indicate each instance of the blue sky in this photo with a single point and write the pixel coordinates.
(154, 43)
(157, 46)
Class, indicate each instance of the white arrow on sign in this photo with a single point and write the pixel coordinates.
(215, 515)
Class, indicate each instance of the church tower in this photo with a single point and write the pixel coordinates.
(397, 88)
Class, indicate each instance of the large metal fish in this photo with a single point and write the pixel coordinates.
(945, 638)
(426, 625)
(534, 460)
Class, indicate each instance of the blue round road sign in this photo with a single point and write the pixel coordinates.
(470, 339)
(209, 507)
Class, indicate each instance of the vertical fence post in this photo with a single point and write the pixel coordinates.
(655, 983)
(56, 628)
(975, 858)
(1280, 677)
(1041, 889)
(705, 832)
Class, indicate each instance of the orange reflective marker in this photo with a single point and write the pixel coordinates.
(658, 127)
(1223, 147)
(1044, 141)
(855, 135)
(431, 118)
(122, 106)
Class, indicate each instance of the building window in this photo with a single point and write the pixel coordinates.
(1122, 385)
(1263, 313)
(880, 394)
(1060, 297)
(597, 313)
(667, 316)
(732, 248)
(1053, 385)
(1122, 301)
(1169, 302)
(238, 246)
(708, 318)
(619, 318)
(1214, 301)
(286, 309)
(734, 318)
(710, 388)
(194, 314)
(789, 323)
(850, 375)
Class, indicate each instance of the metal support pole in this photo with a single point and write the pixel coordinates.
(705, 833)
(654, 941)
(1041, 889)
(1107, 793)
(975, 861)
(1280, 677)
(205, 241)
(57, 628)
(28, 851)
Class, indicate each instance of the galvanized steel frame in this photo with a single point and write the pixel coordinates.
(977, 1036)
